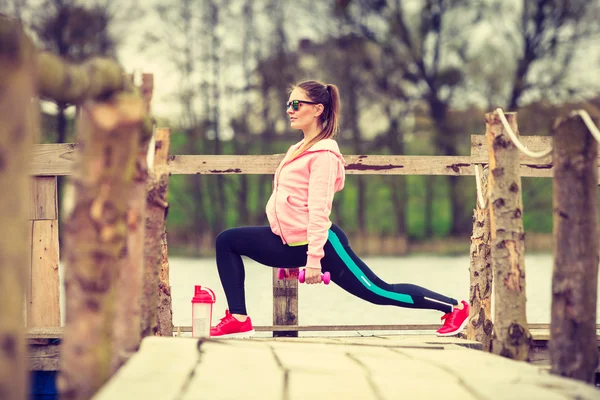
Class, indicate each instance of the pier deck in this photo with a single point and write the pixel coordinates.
(375, 367)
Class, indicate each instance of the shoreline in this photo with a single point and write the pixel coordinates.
(385, 246)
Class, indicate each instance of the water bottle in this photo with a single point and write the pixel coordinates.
(202, 305)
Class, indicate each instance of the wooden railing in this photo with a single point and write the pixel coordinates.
(52, 160)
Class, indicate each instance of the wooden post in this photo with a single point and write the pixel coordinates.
(511, 336)
(18, 124)
(573, 347)
(480, 297)
(96, 240)
(156, 307)
(285, 304)
(130, 286)
(43, 305)
(165, 310)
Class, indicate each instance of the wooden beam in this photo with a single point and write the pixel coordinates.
(57, 332)
(57, 159)
(43, 302)
(52, 159)
(43, 199)
(285, 304)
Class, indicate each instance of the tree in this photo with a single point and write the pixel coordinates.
(75, 33)
(546, 38)
(14, 8)
(430, 55)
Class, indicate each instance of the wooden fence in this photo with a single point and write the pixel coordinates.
(52, 160)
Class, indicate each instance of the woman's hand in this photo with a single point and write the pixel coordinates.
(312, 276)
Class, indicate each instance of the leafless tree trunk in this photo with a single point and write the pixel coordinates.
(573, 347)
(511, 336)
(19, 124)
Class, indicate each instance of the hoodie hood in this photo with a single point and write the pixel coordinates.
(325, 145)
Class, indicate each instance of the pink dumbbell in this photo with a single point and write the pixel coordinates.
(283, 274)
(326, 277)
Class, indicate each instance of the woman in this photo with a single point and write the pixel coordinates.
(300, 232)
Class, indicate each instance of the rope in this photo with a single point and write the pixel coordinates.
(589, 123)
(480, 200)
(516, 140)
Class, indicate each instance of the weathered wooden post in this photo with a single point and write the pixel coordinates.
(96, 240)
(42, 288)
(130, 285)
(285, 304)
(573, 347)
(165, 310)
(157, 316)
(511, 336)
(18, 124)
(480, 296)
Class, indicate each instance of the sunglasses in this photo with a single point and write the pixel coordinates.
(295, 104)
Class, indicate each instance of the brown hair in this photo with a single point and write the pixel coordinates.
(329, 96)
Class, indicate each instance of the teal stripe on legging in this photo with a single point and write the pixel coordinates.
(343, 254)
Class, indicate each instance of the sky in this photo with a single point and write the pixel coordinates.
(300, 23)
(167, 81)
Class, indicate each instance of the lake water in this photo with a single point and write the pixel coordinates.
(330, 305)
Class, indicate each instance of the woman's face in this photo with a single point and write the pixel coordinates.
(306, 115)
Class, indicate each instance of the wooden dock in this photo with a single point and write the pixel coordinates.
(375, 367)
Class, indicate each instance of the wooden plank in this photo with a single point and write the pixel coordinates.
(57, 159)
(43, 198)
(285, 304)
(159, 370)
(255, 373)
(385, 367)
(495, 377)
(52, 159)
(539, 332)
(306, 384)
(43, 309)
(28, 282)
(355, 164)
(44, 357)
(346, 328)
(293, 369)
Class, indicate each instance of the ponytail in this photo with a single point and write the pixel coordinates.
(329, 96)
(331, 120)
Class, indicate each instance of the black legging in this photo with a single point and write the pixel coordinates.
(346, 269)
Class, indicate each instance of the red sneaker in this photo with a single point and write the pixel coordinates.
(454, 321)
(230, 327)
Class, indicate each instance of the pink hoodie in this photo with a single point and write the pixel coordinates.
(303, 189)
